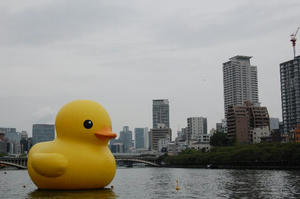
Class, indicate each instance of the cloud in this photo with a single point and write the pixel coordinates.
(59, 21)
(44, 115)
(246, 21)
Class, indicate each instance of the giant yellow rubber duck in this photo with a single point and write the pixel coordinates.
(79, 157)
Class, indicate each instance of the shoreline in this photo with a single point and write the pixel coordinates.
(234, 167)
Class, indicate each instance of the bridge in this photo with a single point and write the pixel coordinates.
(129, 158)
(20, 163)
(126, 158)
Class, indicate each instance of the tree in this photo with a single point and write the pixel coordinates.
(219, 139)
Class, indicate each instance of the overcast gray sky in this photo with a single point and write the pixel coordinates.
(125, 53)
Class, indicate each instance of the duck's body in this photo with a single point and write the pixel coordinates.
(78, 161)
(76, 167)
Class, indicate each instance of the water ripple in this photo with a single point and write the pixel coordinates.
(148, 183)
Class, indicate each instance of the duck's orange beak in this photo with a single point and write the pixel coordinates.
(105, 133)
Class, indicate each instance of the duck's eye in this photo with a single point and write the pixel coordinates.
(88, 124)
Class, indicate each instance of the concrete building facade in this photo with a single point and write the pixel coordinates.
(290, 94)
(242, 119)
(3, 144)
(257, 134)
(140, 138)
(126, 138)
(117, 147)
(220, 128)
(197, 126)
(160, 113)
(239, 82)
(274, 123)
(43, 133)
(156, 134)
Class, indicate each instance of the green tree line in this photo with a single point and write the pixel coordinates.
(255, 154)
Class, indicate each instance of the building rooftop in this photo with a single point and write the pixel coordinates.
(240, 57)
(291, 60)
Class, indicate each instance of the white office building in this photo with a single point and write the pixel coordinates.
(197, 126)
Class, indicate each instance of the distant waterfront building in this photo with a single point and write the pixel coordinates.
(24, 142)
(200, 146)
(296, 135)
(43, 133)
(126, 138)
(220, 128)
(163, 144)
(147, 139)
(204, 138)
(197, 126)
(290, 93)
(2, 143)
(140, 135)
(24, 135)
(30, 143)
(239, 81)
(24, 146)
(281, 128)
(12, 140)
(117, 147)
(259, 133)
(160, 113)
(173, 148)
(274, 123)
(182, 137)
(159, 133)
(243, 119)
(8, 130)
(14, 137)
(185, 135)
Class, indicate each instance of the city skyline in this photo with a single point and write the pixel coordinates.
(125, 55)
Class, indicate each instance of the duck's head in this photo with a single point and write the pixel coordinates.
(84, 120)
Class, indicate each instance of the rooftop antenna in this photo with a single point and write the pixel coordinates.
(293, 40)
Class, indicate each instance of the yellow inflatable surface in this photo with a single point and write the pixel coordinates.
(79, 157)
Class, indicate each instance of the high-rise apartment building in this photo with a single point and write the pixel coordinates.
(126, 138)
(290, 93)
(8, 130)
(274, 123)
(220, 128)
(157, 134)
(160, 113)
(147, 139)
(197, 126)
(239, 81)
(43, 133)
(244, 120)
(140, 135)
(13, 140)
(3, 143)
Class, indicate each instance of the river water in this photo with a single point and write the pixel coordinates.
(144, 183)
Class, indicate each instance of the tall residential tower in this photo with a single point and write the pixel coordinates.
(239, 81)
(197, 126)
(43, 133)
(290, 93)
(160, 113)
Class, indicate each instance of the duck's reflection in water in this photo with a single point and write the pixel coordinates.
(82, 194)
